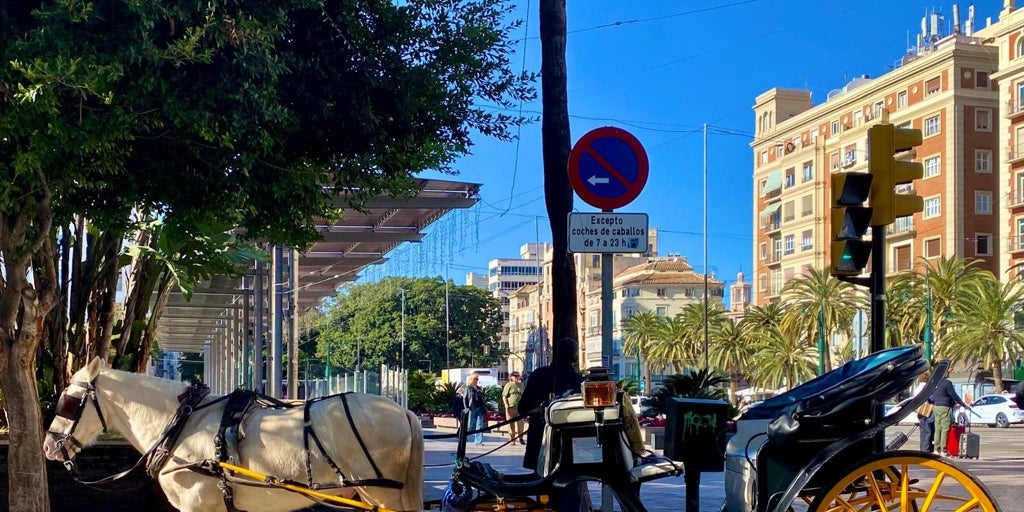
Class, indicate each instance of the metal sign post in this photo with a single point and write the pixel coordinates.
(607, 168)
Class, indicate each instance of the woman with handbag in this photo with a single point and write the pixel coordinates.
(925, 418)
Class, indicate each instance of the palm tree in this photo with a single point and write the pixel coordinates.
(639, 331)
(816, 296)
(905, 308)
(673, 344)
(984, 327)
(731, 350)
(782, 360)
(946, 279)
(764, 316)
(693, 318)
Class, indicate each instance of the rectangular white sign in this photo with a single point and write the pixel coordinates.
(608, 232)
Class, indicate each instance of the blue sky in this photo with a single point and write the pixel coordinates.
(669, 67)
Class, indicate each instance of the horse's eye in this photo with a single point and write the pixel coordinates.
(67, 406)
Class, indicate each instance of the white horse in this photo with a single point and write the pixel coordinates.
(139, 407)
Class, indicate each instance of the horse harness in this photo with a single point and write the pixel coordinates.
(226, 442)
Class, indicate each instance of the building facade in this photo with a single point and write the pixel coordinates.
(1009, 38)
(944, 87)
(663, 286)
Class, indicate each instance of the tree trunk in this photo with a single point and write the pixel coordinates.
(23, 309)
(997, 372)
(145, 276)
(556, 144)
(141, 359)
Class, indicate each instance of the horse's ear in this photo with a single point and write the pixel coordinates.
(93, 368)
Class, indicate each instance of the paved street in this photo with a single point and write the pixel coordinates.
(1002, 452)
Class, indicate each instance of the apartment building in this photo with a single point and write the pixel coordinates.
(943, 87)
(660, 285)
(1009, 37)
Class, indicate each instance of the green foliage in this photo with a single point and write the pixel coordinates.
(443, 397)
(366, 321)
(695, 383)
(492, 394)
(421, 391)
(630, 386)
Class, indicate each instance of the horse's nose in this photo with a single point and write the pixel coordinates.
(50, 450)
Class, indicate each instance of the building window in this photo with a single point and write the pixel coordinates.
(932, 166)
(806, 205)
(858, 117)
(660, 292)
(1017, 242)
(835, 127)
(808, 172)
(981, 79)
(932, 207)
(764, 251)
(1020, 48)
(982, 202)
(834, 161)
(764, 157)
(982, 244)
(661, 311)
(932, 86)
(932, 126)
(790, 177)
(983, 120)
(814, 134)
(982, 160)
(879, 105)
(806, 240)
(901, 99)
(789, 244)
(1020, 85)
(932, 248)
(776, 282)
(903, 258)
(762, 283)
(787, 211)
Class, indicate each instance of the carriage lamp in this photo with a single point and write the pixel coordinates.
(598, 388)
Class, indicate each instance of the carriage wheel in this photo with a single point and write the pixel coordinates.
(905, 482)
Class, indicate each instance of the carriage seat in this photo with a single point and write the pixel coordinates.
(654, 467)
(838, 402)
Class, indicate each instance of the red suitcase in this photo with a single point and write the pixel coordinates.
(953, 439)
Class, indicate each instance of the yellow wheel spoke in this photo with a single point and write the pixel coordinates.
(888, 480)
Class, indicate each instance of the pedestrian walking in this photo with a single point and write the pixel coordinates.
(510, 396)
(944, 398)
(475, 402)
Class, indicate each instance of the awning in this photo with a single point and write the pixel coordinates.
(772, 208)
(773, 183)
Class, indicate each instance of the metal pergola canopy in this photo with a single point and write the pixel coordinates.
(355, 241)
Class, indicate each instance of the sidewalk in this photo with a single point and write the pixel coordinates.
(665, 495)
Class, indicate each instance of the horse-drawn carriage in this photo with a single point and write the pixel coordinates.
(818, 447)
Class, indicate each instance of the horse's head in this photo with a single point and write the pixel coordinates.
(77, 423)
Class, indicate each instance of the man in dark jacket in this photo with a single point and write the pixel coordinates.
(544, 384)
(944, 397)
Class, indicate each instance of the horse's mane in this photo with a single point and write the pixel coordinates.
(148, 382)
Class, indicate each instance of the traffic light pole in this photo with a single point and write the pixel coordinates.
(877, 288)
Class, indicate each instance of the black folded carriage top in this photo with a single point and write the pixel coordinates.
(842, 400)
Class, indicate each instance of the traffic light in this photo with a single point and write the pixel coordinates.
(885, 142)
(850, 221)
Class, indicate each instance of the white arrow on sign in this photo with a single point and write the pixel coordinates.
(594, 180)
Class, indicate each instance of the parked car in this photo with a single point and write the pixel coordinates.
(998, 410)
(638, 402)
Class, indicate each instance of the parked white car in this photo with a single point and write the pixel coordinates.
(998, 410)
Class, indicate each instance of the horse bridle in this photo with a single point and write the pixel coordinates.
(71, 408)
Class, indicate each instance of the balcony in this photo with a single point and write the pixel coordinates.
(771, 226)
(1015, 199)
(903, 227)
(1014, 109)
(1016, 243)
(1015, 153)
